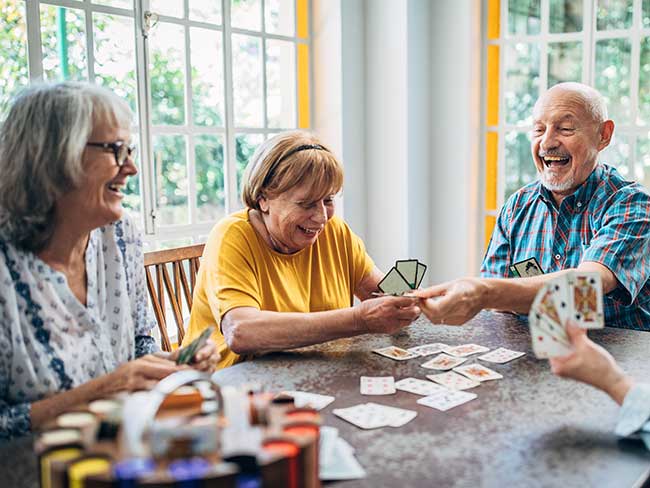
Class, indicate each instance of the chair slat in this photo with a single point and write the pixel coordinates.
(157, 310)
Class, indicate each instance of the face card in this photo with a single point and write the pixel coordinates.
(427, 349)
(422, 268)
(397, 417)
(545, 345)
(417, 386)
(363, 416)
(443, 362)
(550, 327)
(396, 353)
(453, 381)
(528, 267)
(545, 304)
(311, 400)
(408, 268)
(464, 350)
(514, 271)
(586, 299)
(394, 283)
(377, 385)
(478, 372)
(501, 355)
(446, 399)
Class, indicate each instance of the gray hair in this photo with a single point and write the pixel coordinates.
(42, 142)
(593, 102)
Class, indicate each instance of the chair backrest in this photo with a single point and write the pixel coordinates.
(178, 259)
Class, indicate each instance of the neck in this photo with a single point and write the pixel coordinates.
(67, 247)
(263, 230)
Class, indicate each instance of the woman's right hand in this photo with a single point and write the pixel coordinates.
(142, 373)
(386, 315)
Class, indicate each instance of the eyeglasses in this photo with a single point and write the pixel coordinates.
(120, 149)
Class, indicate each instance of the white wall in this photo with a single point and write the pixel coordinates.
(397, 85)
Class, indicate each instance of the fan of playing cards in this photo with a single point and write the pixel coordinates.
(404, 277)
(575, 296)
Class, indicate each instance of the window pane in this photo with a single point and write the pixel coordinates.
(172, 8)
(613, 77)
(245, 145)
(115, 55)
(644, 83)
(281, 83)
(167, 68)
(280, 17)
(564, 62)
(132, 199)
(206, 11)
(617, 154)
(210, 189)
(207, 77)
(565, 15)
(246, 14)
(115, 3)
(614, 14)
(646, 13)
(520, 168)
(171, 179)
(14, 74)
(524, 16)
(642, 170)
(247, 81)
(63, 40)
(522, 82)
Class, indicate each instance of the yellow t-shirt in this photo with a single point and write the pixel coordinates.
(238, 269)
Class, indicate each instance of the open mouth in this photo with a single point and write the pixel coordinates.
(309, 232)
(116, 188)
(555, 161)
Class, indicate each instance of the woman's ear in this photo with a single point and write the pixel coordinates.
(263, 204)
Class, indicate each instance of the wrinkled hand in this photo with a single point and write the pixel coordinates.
(453, 303)
(142, 373)
(205, 359)
(591, 364)
(386, 314)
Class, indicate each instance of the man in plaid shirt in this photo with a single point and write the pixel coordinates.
(580, 214)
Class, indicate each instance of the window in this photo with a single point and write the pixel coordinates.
(531, 45)
(209, 80)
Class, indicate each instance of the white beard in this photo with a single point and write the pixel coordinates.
(555, 187)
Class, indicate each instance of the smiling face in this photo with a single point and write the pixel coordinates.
(97, 200)
(566, 139)
(293, 221)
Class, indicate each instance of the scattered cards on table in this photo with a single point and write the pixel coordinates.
(501, 355)
(478, 372)
(445, 399)
(310, 400)
(443, 362)
(453, 381)
(396, 353)
(404, 277)
(427, 349)
(374, 415)
(575, 296)
(417, 386)
(464, 350)
(377, 385)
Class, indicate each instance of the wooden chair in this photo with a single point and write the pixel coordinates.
(175, 288)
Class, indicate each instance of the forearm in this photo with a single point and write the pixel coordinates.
(515, 295)
(264, 331)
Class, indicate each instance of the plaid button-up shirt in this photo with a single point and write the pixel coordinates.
(606, 220)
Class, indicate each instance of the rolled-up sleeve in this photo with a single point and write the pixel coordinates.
(635, 413)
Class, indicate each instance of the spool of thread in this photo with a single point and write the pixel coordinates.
(279, 463)
(81, 469)
(307, 435)
(183, 397)
(302, 415)
(86, 422)
(128, 471)
(56, 445)
(189, 473)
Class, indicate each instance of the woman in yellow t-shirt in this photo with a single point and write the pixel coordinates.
(283, 273)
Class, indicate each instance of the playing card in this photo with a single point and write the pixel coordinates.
(527, 268)
(377, 385)
(417, 386)
(547, 346)
(445, 399)
(422, 268)
(396, 353)
(478, 372)
(464, 350)
(550, 327)
(453, 381)
(443, 362)
(394, 283)
(586, 299)
(427, 349)
(311, 400)
(364, 415)
(397, 417)
(408, 268)
(501, 355)
(550, 303)
(186, 354)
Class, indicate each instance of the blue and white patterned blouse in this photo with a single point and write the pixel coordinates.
(49, 341)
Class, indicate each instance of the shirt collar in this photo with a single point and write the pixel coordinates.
(577, 200)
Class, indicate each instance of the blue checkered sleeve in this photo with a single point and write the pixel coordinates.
(498, 255)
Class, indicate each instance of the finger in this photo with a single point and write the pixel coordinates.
(157, 371)
(410, 313)
(432, 291)
(575, 333)
(205, 352)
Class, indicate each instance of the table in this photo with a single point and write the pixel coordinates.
(528, 429)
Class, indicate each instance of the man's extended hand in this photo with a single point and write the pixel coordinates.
(454, 302)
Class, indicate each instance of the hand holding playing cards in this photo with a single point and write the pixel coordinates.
(591, 364)
(205, 359)
(140, 374)
(386, 314)
(452, 303)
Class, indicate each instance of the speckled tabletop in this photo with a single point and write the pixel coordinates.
(528, 429)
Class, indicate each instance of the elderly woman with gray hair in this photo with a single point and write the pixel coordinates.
(74, 321)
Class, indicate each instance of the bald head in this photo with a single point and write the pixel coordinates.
(578, 95)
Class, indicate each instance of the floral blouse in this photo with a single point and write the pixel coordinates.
(49, 341)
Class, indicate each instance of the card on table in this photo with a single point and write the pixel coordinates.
(478, 372)
(397, 417)
(427, 349)
(526, 268)
(586, 299)
(501, 355)
(408, 268)
(394, 283)
(377, 385)
(453, 381)
(311, 400)
(443, 362)
(417, 386)
(363, 416)
(464, 350)
(445, 399)
(396, 353)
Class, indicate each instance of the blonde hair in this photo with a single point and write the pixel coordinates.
(288, 160)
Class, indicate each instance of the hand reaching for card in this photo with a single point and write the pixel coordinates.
(591, 364)
(453, 303)
(386, 314)
(205, 359)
